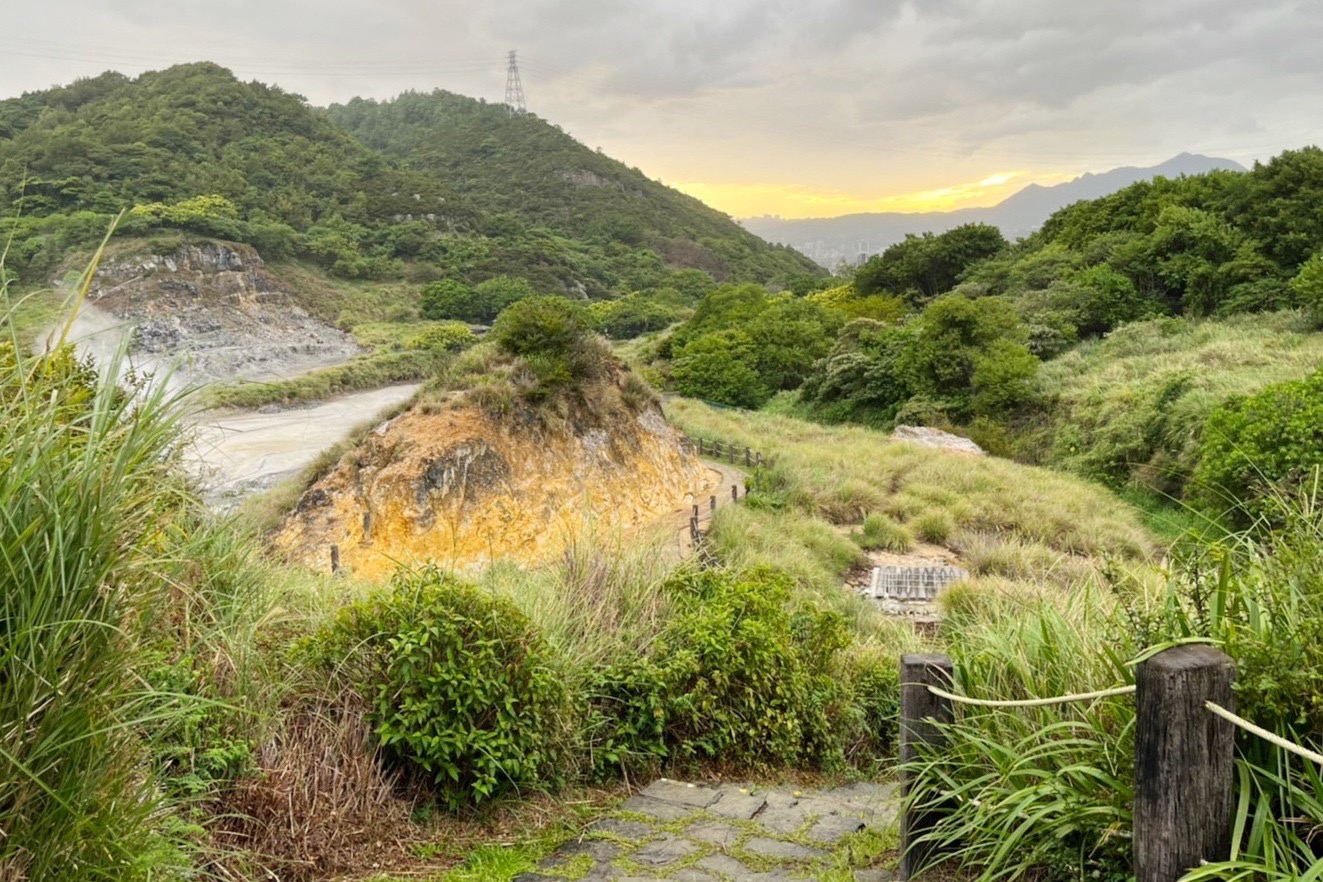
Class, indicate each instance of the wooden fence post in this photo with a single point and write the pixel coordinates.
(748, 457)
(1184, 762)
(760, 460)
(335, 559)
(920, 710)
(712, 503)
(694, 534)
(734, 492)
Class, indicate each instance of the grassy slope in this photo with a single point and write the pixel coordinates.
(1133, 405)
(1006, 520)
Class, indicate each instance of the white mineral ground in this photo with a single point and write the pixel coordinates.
(239, 452)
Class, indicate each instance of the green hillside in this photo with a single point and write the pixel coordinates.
(524, 173)
(193, 148)
(1102, 344)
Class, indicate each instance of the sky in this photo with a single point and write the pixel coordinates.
(801, 108)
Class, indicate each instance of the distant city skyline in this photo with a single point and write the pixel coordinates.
(768, 106)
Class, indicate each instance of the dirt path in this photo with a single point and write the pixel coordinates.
(723, 478)
(244, 452)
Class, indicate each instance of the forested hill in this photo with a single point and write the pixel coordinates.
(461, 190)
(521, 170)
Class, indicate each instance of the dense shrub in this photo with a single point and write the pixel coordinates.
(720, 367)
(1257, 448)
(449, 299)
(462, 686)
(751, 679)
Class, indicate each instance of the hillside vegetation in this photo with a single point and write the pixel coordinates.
(439, 186)
(1102, 343)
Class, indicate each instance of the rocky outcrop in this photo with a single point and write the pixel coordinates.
(463, 488)
(929, 437)
(215, 308)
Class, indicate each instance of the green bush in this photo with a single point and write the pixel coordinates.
(751, 680)
(625, 726)
(462, 686)
(1260, 448)
(449, 299)
(719, 367)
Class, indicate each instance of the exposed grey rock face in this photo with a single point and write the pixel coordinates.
(213, 311)
(930, 437)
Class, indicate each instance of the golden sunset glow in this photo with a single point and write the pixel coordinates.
(794, 201)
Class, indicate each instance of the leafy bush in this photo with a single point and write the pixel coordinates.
(719, 366)
(750, 679)
(625, 726)
(1307, 288)
(1258, 448)
(449, 299)
(462, 685)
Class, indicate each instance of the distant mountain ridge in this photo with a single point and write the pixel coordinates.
(832, 239)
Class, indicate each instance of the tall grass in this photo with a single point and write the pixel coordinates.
(1132, 406)
(1048, 791)
(1009, 519)
(87, 493)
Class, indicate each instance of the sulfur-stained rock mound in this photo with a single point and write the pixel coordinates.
(463, 486)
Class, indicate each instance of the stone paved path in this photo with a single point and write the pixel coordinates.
(692, 833)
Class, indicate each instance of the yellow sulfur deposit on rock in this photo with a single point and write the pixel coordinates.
(462, 488)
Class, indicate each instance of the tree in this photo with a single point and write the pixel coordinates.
(922, 267)
(952, 336)
(719, 366)
(1307, 288)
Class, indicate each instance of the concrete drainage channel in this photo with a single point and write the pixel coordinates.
(695, 833)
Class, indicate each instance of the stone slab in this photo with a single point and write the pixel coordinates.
(655, 808)
(725, 865)
(830, 829)
(722, 835)
(875, 875)
(734, 804)
(680, 793)
(783, 851)
(623, 829)
(664, 851)
(785, 821)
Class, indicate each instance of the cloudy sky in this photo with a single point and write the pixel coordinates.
(793, 107)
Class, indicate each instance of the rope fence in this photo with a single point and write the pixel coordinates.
(1270, 737)
(1184, 758)
(1031, 702)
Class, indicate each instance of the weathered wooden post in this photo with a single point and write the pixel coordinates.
(700, 446)
(730, 453)
(335, 559)
(694, 534)
(748, 457)
(920, 712)
(1184, 762)
(734, 492)
(712, 503)
(760, 460)
(695, 514)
